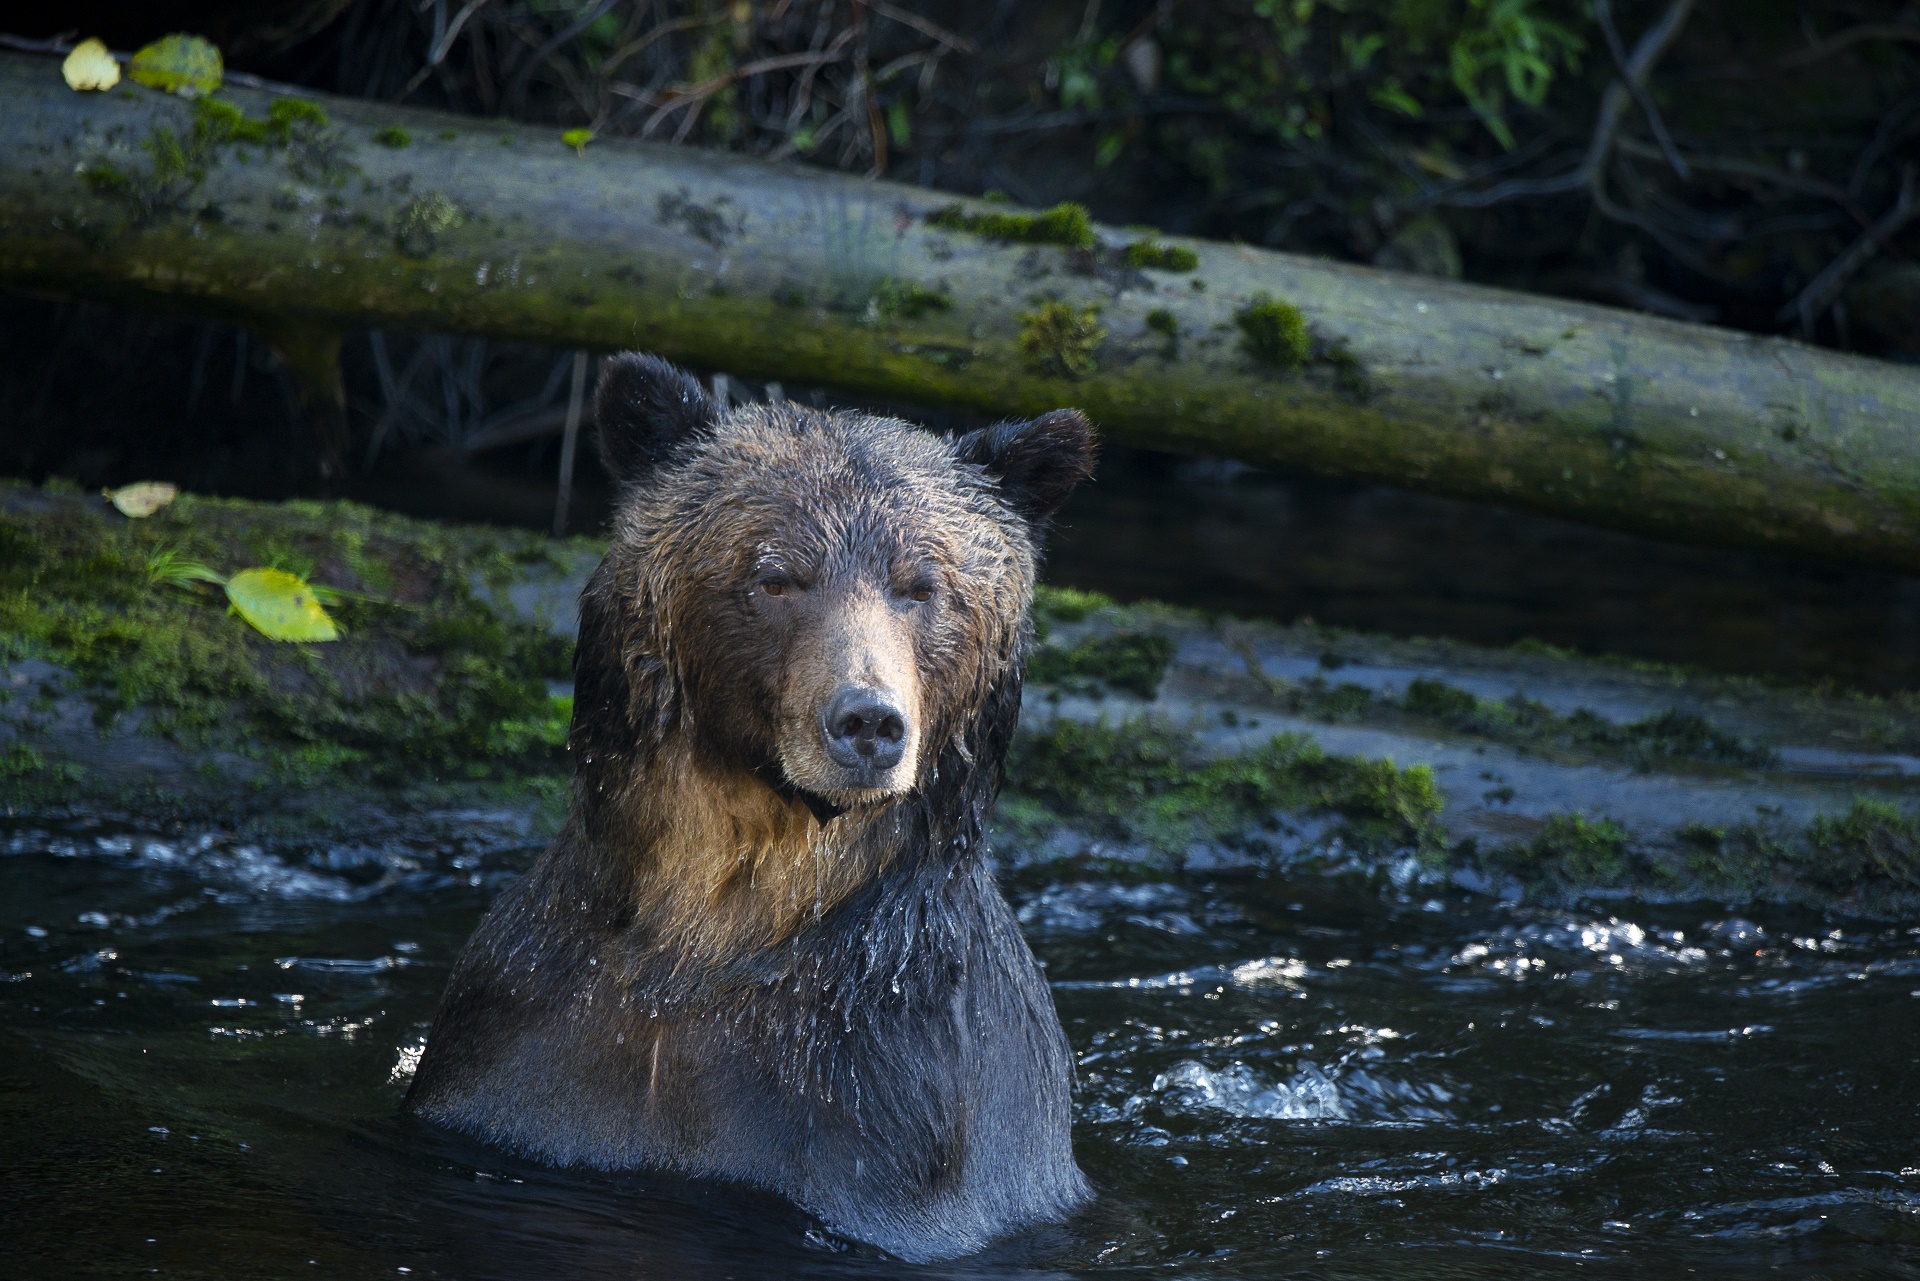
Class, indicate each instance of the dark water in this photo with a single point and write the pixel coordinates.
(204, 1043)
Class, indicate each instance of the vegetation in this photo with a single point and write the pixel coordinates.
(1274, 333)
(1151, 255)
(1059, 339)
(1667, 735)
(1065, 224)
(1119, 662)
(1869, 854)
(1067, 604)
(178, 163)
(429, 678)
(1136, 781)
(1571, 851)
(1867, 858)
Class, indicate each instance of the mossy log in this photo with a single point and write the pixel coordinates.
(364, 214)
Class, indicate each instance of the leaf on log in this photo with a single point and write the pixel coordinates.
(90, 67)
(182, 64)
(282, 606)
(144, 498)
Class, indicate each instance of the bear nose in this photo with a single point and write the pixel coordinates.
(863, 730)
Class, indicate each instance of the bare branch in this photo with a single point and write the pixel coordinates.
(1603, 14)
(1851, 36)
(517, 89)
(697, 95)
(1823, 288)
(932, 30)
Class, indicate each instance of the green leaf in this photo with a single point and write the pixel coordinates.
(577, 139)
(168, 568)
(187, 65)
(280, 605)
(1394, 97)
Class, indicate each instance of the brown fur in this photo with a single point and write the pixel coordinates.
(750, 954)
(728, 862)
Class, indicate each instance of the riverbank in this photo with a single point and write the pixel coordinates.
(1154, 739)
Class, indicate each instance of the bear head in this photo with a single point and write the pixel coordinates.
(831, 603)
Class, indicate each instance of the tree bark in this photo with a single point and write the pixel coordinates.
(782, 272)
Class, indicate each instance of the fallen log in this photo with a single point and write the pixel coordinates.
(303, 220)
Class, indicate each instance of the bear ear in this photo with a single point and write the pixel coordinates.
(643, 409)
(1037, 463)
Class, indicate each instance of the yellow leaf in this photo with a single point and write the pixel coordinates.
(90, 66)
(281, 605)
(187, 65)
(143, 499)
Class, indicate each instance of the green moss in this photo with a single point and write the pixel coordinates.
(21, 764)
(1870, 855)
(1122, 662)
(1065, 224)
(1149, 254)
(429, 677)
(1570, 850)
(1139, 782)
(286, 113)
(897, 299)
(392, 136)
(1059, 341)
(179, 164)
(1668, 735)
(217, 122)
(1872, 844)
(1349, 375)
(421, 221)
(1162, 321)
(1274, 333)
(1067, 604)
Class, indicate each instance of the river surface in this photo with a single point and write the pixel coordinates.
(204, 1042)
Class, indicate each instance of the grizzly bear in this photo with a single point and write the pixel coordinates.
(767, 945)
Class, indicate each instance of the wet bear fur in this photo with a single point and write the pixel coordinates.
(735, 961)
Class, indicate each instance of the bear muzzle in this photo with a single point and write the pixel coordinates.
(864, 733)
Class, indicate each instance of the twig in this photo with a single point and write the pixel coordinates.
(1821, 290)
(932, 30)
(825, 131)
(803, 92)
(517, 88)
(397, 392)
(442, 45)
(58, 44)
(516, 431)
(639, 46)
(1851, 36)
(699, 93)
(1603, 14)
(1883, 136)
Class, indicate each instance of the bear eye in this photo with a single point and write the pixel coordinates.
(775, 585)
(921, 593)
